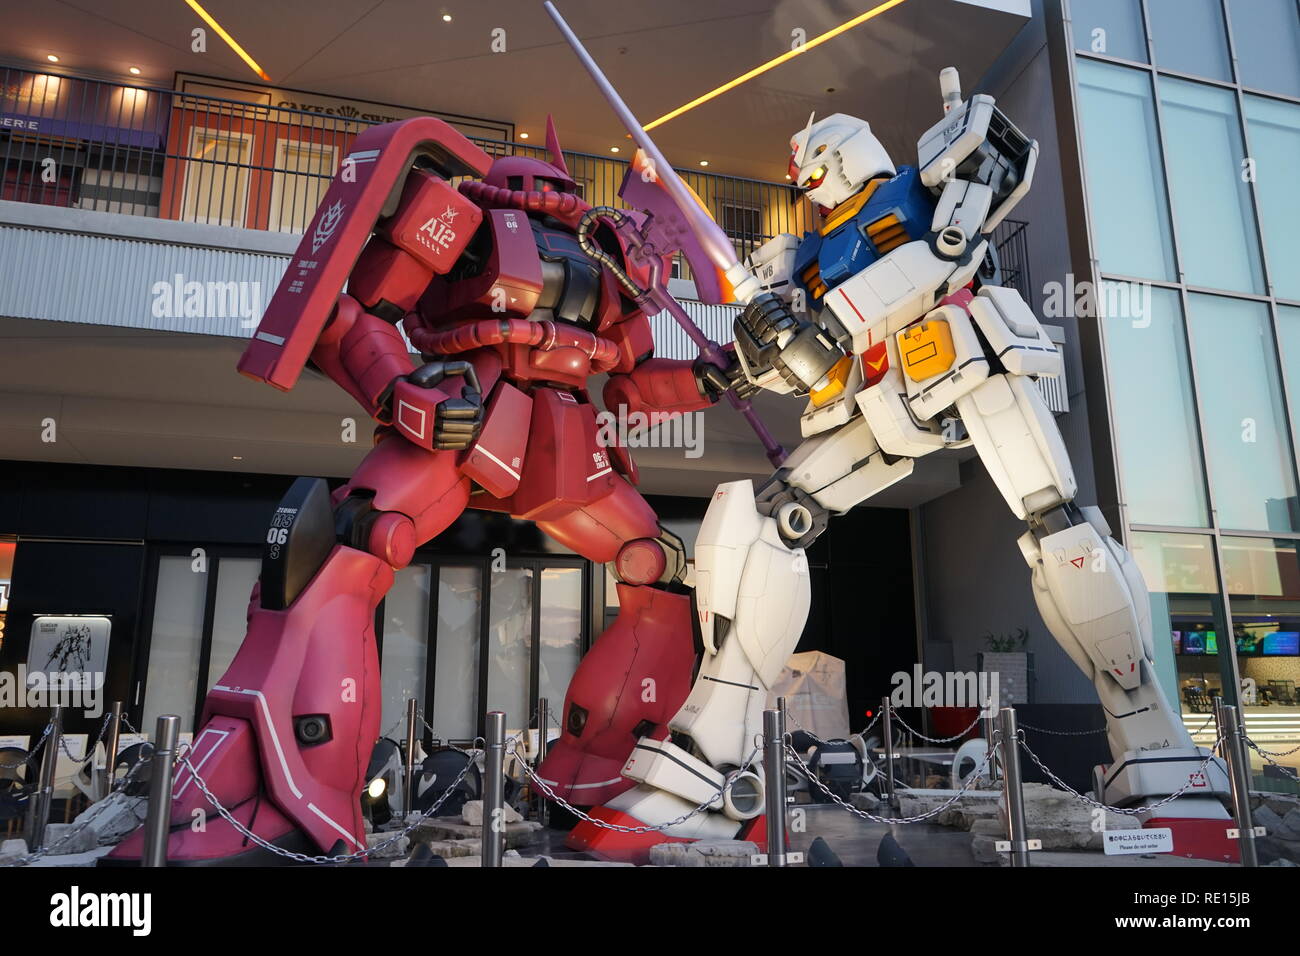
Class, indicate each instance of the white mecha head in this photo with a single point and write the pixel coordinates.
(835, 157)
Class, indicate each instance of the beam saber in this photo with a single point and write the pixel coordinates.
(676, 220)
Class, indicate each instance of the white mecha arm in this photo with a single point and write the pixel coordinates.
(772, 264)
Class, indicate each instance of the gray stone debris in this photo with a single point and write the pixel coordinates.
(398, 848)
(64, 838)
(703, 853)
(111, 819)
(472, 813)
(12, 850)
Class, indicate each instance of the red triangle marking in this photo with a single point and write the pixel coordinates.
(1077, 562)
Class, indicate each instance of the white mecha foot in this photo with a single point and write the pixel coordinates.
(752, 594)
(1092, 598)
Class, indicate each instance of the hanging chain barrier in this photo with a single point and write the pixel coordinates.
(52, 849)
(1127, 811)
(866, 815)
(322, 859)
(704, 807)
(861, 733)
(30, 759)
(933, 740)
(1268, 757)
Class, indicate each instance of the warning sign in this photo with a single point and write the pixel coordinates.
(1154, 840)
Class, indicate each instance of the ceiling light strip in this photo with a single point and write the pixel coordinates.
(774, 63)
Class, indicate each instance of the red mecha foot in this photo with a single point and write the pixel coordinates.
(615, 846)
(631, 683)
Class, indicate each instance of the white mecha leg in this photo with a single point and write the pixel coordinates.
(1091, 596)
(752, 595)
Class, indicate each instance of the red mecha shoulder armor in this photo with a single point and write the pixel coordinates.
(372, 185)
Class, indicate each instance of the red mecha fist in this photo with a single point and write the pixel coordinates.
(428, 416)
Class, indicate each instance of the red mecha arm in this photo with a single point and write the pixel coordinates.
(642, 383)
(362, 353)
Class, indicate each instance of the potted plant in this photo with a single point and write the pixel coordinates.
(1008, 658)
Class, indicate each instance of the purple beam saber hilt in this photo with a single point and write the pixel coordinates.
(657, 299)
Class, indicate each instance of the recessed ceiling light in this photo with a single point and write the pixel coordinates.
(613, 149)
(134, 71)
(704, 162)
(446, 18)
(237, 457)
(52, 58)
(787, 176)
(523, 135)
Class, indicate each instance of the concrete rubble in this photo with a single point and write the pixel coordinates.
(734, 853)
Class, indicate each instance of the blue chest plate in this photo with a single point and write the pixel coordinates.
(898, 210)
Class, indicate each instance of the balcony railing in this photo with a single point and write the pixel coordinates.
(88, 144)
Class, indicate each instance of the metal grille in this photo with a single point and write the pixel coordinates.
(87, 144)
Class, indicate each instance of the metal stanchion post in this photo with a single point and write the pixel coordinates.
(774, 764)
(110, 744)
(408, 787)
(887, 722)
(38, 814)
(1239, 777)
(1015, 798)
(543, 726)
(157, 822)
(494, 790)
(990, 726)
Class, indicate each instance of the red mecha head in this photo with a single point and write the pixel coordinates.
(525, 174)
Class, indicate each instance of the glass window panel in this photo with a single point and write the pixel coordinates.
(216, 177)
(1266, 34)
(1241, 407)
(1274, 129)
(1187, 618)
(1109, 27)
(561, 632)
(510, 640)
(1216, 225)
(1263, 581)
(406, 643)
(177, 641)
(235, 580)
(302, 174)
(1288, 330)
(1126, 190)
(1155, 421)
(1188, 36)
(455, 675)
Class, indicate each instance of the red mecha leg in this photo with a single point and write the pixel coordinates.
(287, 731)
(638, 672)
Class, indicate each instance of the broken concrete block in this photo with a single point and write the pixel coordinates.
(704, 853)
(472, 813)
(65, 838)
(12, 850)
(112, 818)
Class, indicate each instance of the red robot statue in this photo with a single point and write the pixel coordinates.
(515, 292)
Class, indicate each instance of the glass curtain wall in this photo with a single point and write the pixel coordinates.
(1189, 121)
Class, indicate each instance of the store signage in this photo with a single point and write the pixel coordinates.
(1153, 840)
(359, 111)
(71, 647)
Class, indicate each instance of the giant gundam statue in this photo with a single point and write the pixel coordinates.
(883, 320)
(516, 292)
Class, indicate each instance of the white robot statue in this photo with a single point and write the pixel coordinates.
(881, 319)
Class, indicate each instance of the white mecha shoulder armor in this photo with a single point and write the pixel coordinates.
(772, 264)
(975, 142)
